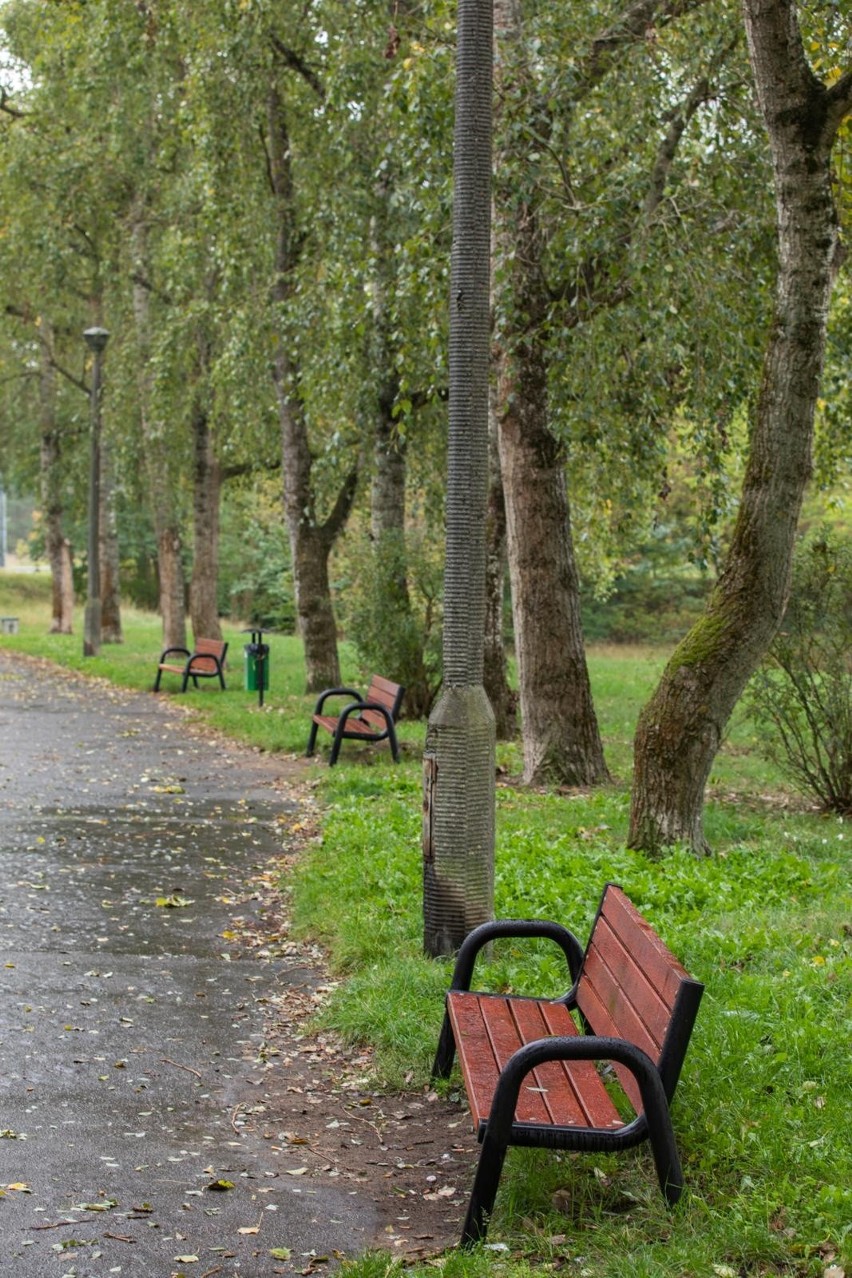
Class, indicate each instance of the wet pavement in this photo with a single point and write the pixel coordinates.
(136, 1134)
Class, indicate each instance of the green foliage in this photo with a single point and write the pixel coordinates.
(802, 694)
(391, 608)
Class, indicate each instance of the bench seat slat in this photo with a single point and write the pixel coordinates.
(353, 725)
(488, 1030)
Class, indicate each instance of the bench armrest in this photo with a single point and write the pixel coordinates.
(336, 692)
(167, 651)
(486, 932)
(588, 1047)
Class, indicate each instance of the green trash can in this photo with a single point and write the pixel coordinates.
(256, 656)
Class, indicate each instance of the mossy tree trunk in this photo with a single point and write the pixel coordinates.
(681, 728)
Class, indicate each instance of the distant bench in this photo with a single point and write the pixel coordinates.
(368, 718)
(205, 661)
(529, 1070)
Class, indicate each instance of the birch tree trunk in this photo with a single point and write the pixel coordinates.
(310, 541)
(172, 584)
(207, 486)
(561, 739)
(110, 592)
(503, 700)
(57, 546)
(681, 728)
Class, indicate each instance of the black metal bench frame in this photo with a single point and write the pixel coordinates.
(651, 1081)
(371, 717)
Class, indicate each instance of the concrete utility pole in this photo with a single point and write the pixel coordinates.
(96, 340)
(459, 761)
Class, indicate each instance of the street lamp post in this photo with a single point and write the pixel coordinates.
(96, 340)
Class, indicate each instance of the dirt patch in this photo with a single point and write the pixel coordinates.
(412, 1154)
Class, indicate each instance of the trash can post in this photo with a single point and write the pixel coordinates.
(256, 664)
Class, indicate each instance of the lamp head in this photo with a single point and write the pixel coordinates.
(96, 338)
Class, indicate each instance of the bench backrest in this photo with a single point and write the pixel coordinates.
(382, 693)
(209, 648)
(633, 987)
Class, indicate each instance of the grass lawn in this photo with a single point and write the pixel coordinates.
(763, 1112)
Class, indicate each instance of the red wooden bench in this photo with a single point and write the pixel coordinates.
(530, 1069)
(368, 718)
(206, 661)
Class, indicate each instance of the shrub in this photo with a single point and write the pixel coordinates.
(803, 691)
(392, 612)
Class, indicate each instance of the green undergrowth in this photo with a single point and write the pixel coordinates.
(763, 1108)
(763, 1111)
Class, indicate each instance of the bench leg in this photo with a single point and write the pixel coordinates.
(157, 681)
(484, 1191)
(185, 682)
(394, 745)
(666, 1161)
(446, 1052)
(335, 745)
(312, 740)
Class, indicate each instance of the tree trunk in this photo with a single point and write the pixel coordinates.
(172, 584)
(504, 701)
(203, 588)
(681, 728)
(561, 739)
(110, 592)
(310, 541)
(562, 743)
(57, 546)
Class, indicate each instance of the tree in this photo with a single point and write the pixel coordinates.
(681, 728)
(583, 214)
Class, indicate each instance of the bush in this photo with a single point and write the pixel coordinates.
(803, 691)
(392, 612)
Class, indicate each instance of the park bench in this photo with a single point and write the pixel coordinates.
(531, 1072)
(205, 661)
(368, 718)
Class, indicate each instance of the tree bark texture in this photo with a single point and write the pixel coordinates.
(504, 701)
(156, 442)
(57, 547)
(310, 541)
(207, 477)
(681, 728)
(110, 593)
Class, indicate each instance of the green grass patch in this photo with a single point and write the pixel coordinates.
(764, 1107)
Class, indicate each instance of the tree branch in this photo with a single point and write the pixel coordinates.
(6, 107)
(296, 62)
(840, 100)
(342, 506)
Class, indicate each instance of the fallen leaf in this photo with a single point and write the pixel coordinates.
(221, 1185)
(249, 1229)
(280, 1253)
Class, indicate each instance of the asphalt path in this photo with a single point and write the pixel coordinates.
(132, 1024)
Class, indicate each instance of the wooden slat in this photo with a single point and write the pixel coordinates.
(630, 982)
(382, 691)
(658, 963)
(613, 1000)
(584, 1079)
(475, 1053)
(505, 1038)
(490, 1028)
